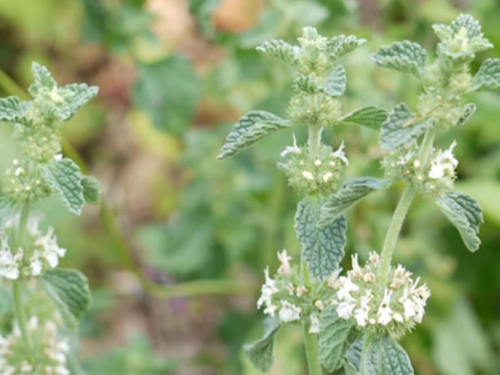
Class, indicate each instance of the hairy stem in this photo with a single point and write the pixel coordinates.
(401, 212)
(314, 141)
(312, 352)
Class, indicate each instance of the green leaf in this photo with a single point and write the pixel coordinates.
(12, 109)
(202, 10)
(261, 352)
(70, 292)
(341, 45)
(168, 91)
(281, 50)
(91, 189)
(383, 356)
(405, 56)
(43, 79)
(346, 197)
(65, 178)
(308, 85)
(468, 111)
(371, 117)
(251, 128)
(467, 22)
(488, 76)
(402, 127)
(465, 214)
(75, 96)
(323, 247)
(335, 83)
(6, 210)
(332, 341)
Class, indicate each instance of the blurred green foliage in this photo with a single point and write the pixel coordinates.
(166, 104)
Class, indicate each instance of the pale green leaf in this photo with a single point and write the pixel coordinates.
(307, 84)
(341, 45)
(203, 10)
(261, 352)
(336, 204)
(91, 189)
(281, 50)
(6, 210)
(335, 83)
(405, 56)
(75, 96)
(395, 359)
(168, 91)
(467, 22)
(65, 178)
(12, 109)
(69, 289)
(402, 127)
(251, 128)
(333, 338)
(468, 110)
(371, 117)
(354, 353)
(323, 247)
(488, 76)
(465, 214)
(43, 79)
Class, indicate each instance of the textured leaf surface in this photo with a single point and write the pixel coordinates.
(77, 95)
(70, 292)
(65, 178)
(405, 56)
(383, 356)
(279, 49)
(336, 81)
(251, 128)
(401, 127)
(352, 192)
(11, 109)
(371, 117)
(91, 189)
(468, 111)
(323, 247)
(168, 91)
(43, 79)
(333, 338)
(465, 214)
(341, 45)
(261, 352)
(488, 76)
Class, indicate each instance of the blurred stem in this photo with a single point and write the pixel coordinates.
(366, 344)
(108, 220)
(17, 287)
(314, 141)
(312, 352)
(401, 212)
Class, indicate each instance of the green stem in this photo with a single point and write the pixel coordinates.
(366, 344)
(314, 141)
(401, 212)
(312, 352)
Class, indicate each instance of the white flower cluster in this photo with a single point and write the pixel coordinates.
(397, 306)
(444, 163)
(51, 351)
(41, 252)
(287, 300)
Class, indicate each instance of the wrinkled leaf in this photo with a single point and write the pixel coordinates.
(405, 56)
(261, 352)
(43, 79)
(279, 49)
(371, 117)
(336, 81)
(91, 189)
(12, 109)
(488, 76)
(341, 45)
(468, 111)
(76, 96)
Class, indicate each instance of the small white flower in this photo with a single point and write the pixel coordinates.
(19, 171)
(50, 250)
(292, 149)
(314, 327)
(58, 157)
(361, 314)
(408, 305)
(403, 160)
(267, 291)
(301, 291)
(289, 312)
(333, 281)
(308, 175)
(445, 162)
(346, 288)
(285, 259)
(374, 258)
(327, 176)
(384, 315)
(36, 265)
(319, 305)
(340, 154)
(345, 308)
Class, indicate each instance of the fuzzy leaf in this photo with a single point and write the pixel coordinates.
(75, 96)
(69, 289)
(332, 341)
(335, 83)
(65, 178)
(405, 56)
(91, 189)
(401, 127)
(6, 210)
(465, 214)
(468, 111)
(261, 352)
(467, 22)
(346, 197)
(488, 76)
(341, 45)
(371, 117)
(308, 85)
(323, 247)
(279, 49)
(251, 128)
(43, 79)
(383, 356)
(12, 109)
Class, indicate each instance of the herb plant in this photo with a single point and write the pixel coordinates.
(47, 301)
(353, 321)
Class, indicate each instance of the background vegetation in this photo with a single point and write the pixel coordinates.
(175, 253)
